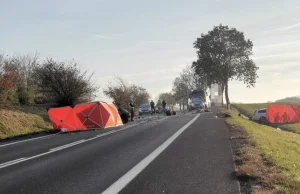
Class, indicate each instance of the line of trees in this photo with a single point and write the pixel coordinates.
(123, 93)
(26, 80)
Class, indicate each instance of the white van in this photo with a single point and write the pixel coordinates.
(260, 115)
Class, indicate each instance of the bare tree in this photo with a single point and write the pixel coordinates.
(26, 86)
(193, 80)
(26, 66)
(169, 99)
(122, 93)
(185, 83)
(8, 80)
(180, 90)
(64, 83)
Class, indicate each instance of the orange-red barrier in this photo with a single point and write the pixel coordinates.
(283, 113)
(63, 118)
(85, 116)
(114, 118)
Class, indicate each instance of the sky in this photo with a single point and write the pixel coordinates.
(148, 43)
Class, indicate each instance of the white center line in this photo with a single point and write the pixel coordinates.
(68, 145)
(131, 174)
(6, 164)
(11, 162)
(3, 165)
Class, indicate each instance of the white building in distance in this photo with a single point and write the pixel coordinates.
(216, 95)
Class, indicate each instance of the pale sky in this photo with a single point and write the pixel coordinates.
(149, 42)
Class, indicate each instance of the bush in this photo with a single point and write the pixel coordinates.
(63, 82)
(25, 95)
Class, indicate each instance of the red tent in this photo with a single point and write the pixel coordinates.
(283, 113)
(93, 115)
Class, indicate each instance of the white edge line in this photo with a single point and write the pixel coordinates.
(58, 148)
(131, 174)
(26, 140)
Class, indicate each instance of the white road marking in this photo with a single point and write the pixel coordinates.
(64, 146)
(68, 145)
(126, 127)
(6, 164)
(16, 142)
(131, 174)
(11, 162)
(107, 133)
(26, 140)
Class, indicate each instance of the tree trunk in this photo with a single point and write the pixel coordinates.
(226, 96)
(222, 93)
(180, 106)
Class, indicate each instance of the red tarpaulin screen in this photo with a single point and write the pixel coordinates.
(114, 117)
(85, 116)
(63, 118)
(283, 114)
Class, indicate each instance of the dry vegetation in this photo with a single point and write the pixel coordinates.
(267, 159)
(15, 122)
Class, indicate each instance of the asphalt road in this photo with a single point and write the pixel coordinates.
(178, 154)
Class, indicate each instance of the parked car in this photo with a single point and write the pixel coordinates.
(124, 114)
(260, 115)
(145, 109)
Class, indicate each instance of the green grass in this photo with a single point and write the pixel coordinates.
(248, 110)
(281, 147)
(40, 110)
(15, 121)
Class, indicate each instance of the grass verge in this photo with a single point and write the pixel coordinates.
(248, 110)
(268, 160)
(14, 122)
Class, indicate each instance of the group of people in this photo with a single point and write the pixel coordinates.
(159, 105)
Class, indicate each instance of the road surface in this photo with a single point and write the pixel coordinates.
(178, 154)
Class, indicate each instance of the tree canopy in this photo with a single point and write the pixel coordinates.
(224, 55)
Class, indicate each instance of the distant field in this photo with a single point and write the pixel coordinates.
(248, 110)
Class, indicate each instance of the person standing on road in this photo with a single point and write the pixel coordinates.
(164, 105)
(131, 110)
(158, 106)
(152, 105)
